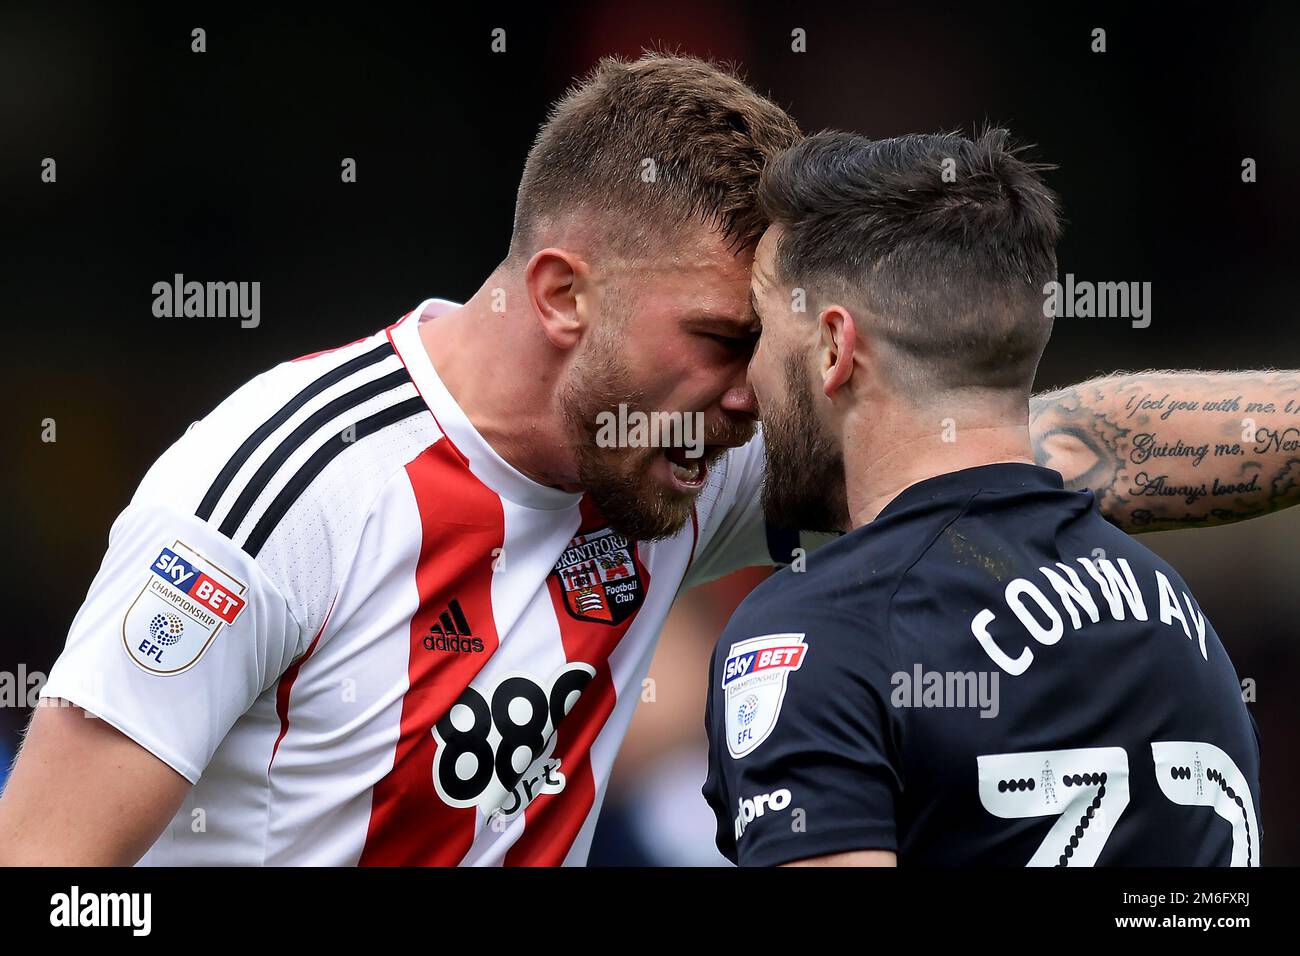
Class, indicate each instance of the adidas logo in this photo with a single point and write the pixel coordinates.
(451, 632)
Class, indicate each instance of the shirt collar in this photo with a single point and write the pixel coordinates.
(483, 460)
(1000, 476)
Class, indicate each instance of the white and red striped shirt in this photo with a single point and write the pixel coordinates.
(340, 614)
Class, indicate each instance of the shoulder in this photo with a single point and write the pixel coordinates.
(288, 466)
(840, 603)
(848, 578)
(829, 617)
(253, 456)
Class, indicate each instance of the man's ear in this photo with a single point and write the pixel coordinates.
(837, 348)
(553, 280)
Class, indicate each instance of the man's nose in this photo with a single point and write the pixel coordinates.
(740, 400)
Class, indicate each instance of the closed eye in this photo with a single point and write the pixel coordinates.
(736, 342)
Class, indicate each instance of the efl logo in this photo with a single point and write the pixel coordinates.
(185, 602)
(192, 582)
(741, 665)
(753, 686)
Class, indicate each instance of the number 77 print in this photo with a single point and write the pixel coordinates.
(1088, 788)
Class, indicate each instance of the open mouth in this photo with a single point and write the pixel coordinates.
(687, 473)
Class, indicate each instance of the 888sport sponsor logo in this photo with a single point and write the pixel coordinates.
(495, 745)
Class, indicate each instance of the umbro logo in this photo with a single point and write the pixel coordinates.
(451, 632)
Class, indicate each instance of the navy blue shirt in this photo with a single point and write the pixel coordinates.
(988, 673)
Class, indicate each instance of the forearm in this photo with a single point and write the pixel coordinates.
(1175, 449)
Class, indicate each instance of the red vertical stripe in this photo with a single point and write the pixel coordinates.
(553, 820)
(287, 679)
(461, 523)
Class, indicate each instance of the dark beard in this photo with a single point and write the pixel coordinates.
(803, 489)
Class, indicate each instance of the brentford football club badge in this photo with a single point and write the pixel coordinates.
(599, 577)
(185, 602)
(754, 680)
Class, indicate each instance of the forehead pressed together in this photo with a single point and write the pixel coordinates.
(688, 251)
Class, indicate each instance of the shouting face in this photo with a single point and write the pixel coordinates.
(657, 390)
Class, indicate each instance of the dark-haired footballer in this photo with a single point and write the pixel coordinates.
(983, 670)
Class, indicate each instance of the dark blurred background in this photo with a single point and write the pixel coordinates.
(226, 166)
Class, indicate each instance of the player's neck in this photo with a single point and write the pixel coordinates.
(904, 450)
(482, 359)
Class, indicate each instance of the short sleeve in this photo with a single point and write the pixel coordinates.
(733, 532)
(178, 636)
(801, 755)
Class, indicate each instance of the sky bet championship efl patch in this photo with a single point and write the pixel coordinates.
(180, 611)
(754, 679)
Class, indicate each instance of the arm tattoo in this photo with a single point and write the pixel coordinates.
(1165, 450)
